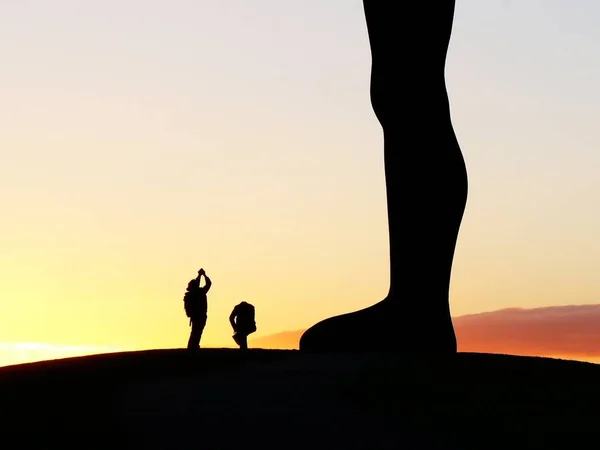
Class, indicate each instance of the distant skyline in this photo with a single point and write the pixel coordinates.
(142, 140)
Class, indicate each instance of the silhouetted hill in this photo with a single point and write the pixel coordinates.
(486, 401)
(224, 398)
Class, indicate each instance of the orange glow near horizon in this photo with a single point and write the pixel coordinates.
(566, 332)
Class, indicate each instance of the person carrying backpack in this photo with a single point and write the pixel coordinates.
(195, 303)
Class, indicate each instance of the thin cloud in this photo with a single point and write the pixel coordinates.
(572, 331)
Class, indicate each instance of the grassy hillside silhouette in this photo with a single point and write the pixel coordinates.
(276, 398)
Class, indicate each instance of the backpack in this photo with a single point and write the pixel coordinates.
(187, 303)
(193, 302)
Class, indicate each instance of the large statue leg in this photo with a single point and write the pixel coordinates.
(426, 185)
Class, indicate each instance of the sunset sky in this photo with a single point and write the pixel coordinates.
(142, 139)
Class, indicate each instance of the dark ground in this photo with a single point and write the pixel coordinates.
(263, 399)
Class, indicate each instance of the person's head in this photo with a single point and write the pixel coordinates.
(193, 284)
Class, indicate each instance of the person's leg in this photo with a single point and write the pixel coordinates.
(194, 339)
(426, 185)
(198, 324)
(243, 341)
(201, 325)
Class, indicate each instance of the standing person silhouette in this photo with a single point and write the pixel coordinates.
(426, 185)
(196, 308)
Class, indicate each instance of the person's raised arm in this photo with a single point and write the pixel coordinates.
(199, 277)
(207, 283)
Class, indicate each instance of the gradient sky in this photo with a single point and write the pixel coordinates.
(141, 140)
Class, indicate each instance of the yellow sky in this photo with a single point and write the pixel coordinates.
(136, 149)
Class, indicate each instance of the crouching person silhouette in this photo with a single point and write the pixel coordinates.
(243, 322)
(196, 307)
